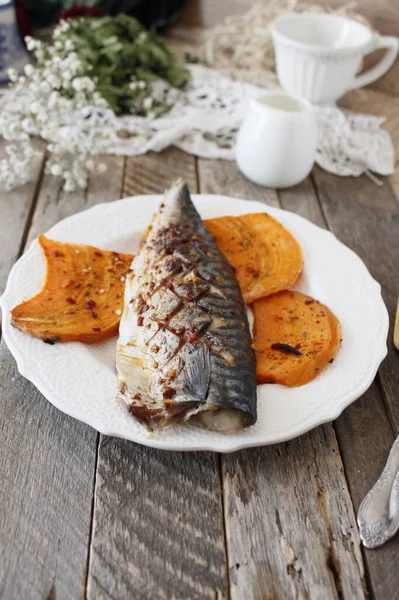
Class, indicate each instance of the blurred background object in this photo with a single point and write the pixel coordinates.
(12, 52)
(383, 16)
(156, 15)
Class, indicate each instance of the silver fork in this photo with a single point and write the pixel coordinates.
(378, 516)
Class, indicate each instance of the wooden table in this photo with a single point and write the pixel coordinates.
(84, 515)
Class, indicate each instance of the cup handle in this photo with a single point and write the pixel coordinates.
(391, 43)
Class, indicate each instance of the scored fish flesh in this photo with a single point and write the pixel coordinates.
(184, 343)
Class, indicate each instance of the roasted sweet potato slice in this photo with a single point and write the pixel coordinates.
(82, 297)
(264, 254)
(295, 337)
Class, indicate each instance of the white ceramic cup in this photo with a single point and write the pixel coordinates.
(276, 144)
(319, 55)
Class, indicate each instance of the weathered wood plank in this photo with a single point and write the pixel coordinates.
(366, 218)
(158, 521)
(47, 461)
(15, 208)
(224, 177)
(54, 204)
(301, 199)
(158, 530)
(290, 526)
(46, 473)
(365, 438)
(153, 173)
(363, 430)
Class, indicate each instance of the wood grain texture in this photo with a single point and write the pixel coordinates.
(223, 177)
(153, 173)
(363, 430)
(302, 199)
(366, 218)
(158, 530)
(365, 438)
(290, 523)
(274, 551)
(46, 473)
(15, 208)
(47, 460)
(158, 520)
(54, 204)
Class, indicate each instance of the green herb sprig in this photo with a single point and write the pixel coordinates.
(124, 59)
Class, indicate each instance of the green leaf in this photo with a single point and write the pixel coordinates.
(116, 50)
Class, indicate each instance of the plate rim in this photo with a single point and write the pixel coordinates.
(226, 447)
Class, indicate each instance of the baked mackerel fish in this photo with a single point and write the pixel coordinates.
(184, 345)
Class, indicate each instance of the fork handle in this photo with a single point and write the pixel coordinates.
(378, 516)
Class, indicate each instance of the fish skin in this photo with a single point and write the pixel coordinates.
(184, 344)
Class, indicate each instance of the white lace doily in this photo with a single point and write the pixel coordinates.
(204, 122)
(206, 117)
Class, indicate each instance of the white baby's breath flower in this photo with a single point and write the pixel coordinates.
(77, 84)
(67, 75)
(28, 125)
(99, 101)
(72, 56)
(55, 170)
(52, 101)
(63, 26)
(54, 81)
(69, 186)
(75, 66)
(35, 107)
(45, 87)
(10, 130)
(34, 87)
(147, 102)
(69, 45)
(12, 74)
(142, 85)
(29, 70)
(88, 84)
(52, 125)
(75, 125)
(133, 85)
(31, 44)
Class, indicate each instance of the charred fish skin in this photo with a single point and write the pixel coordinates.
(184, 343)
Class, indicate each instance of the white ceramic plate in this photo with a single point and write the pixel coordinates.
(80, 379)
